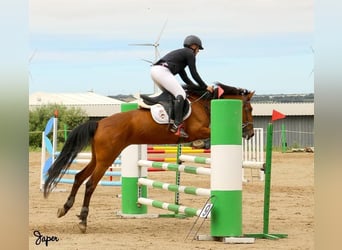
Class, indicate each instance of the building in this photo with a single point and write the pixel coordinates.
(95, 105)
(298, 124)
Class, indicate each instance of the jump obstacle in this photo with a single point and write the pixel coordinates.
(225, 193)
(253, 154)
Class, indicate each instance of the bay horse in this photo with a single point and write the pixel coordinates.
(110, 135)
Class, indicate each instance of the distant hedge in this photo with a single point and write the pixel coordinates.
(68, 118)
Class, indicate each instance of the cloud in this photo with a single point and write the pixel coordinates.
(72, 30)
(135, 19)
(94, 57)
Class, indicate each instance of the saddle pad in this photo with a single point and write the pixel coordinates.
(160, 116)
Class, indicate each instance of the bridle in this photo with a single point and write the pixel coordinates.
(208, 95)
(246, 110)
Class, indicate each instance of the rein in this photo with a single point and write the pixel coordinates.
(201, 97)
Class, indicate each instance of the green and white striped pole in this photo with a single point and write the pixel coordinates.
(226, 174)
(130, 173)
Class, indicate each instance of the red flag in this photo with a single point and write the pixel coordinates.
(277, 115)
(220, 91)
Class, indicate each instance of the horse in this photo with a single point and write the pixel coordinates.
(110, 135)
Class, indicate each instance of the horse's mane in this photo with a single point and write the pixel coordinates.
(192, 89)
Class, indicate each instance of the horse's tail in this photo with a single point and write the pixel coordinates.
(78, 139)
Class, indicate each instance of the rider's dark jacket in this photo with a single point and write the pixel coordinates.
(177, 60)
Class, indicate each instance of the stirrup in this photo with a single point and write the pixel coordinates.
(180, 131)
(174, 128)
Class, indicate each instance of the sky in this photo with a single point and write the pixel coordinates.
(86, 45)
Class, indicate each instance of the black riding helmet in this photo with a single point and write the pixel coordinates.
(189, 40)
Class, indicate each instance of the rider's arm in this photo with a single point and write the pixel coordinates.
(185, 77)
(194, 73)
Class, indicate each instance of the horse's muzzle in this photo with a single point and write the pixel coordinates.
(248, 134)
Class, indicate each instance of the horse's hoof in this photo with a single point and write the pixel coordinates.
(60, 212)
(82, 227)
(198, 144)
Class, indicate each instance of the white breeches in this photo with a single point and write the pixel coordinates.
(165, 80)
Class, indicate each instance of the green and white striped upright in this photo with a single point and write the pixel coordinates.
(226, 174)
(130, 174)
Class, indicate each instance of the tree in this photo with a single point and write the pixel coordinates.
(67, 117)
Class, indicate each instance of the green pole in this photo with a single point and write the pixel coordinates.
(267, 190)
(283, 138)
(178, 176)
(128, 107)
(65, 132)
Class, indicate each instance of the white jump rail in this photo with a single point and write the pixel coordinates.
(253, 154)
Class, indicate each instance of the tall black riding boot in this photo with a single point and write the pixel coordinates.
(177, 127)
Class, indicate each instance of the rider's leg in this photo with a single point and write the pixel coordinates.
(177, 127)
(163, 77)
(166, 80)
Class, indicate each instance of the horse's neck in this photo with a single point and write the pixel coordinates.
(236, 97)
(200, 107)
(206, 102)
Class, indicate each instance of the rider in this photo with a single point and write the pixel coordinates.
(163, 74)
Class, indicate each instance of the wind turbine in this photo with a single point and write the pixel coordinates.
(156, 52)
(313, 53)
(29, 61)
(155, 45)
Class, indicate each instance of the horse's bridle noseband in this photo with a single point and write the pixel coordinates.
(246, 110)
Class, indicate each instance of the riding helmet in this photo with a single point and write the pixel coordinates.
(189, 40)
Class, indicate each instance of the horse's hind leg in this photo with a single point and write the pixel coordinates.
(80, 177)
(90, 188)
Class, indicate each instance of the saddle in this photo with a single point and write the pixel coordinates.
(162, 107)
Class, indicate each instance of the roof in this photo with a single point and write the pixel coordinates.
(42, 98)
(288, 109)
(94, 105)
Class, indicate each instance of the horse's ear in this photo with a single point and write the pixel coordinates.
(220, 92)
(251, 94)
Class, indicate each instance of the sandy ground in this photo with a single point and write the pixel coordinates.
(291, 212)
